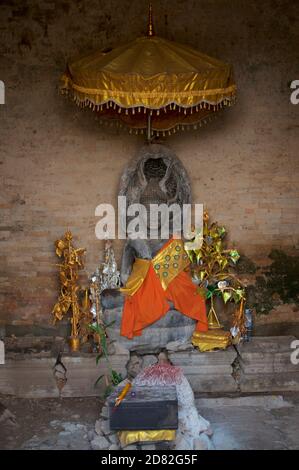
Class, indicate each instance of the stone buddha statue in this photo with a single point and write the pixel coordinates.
(156, 176)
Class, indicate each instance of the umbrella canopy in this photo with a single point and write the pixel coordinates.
(173, 84)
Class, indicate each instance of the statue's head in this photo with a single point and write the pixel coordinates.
(155, 176)
(154, 172)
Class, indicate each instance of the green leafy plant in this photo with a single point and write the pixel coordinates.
(212, 265)
(113, 378)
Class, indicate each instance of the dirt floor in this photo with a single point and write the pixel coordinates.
(44, 419)
(252, 422)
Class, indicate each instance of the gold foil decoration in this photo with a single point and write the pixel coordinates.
(212, 339)
(213, 320)
(239, 318)
(69, 293)
(170, 261)
(129, 437)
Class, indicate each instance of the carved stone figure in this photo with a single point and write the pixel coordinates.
(156, 176)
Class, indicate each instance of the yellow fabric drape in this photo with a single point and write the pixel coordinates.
(137, 276)
(168, 263)
(129, 437)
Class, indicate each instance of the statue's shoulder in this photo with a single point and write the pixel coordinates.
(140, 247)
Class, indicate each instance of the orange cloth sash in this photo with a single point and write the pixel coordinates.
(152, 283)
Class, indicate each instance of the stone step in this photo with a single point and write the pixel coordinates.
(211, 383)
(277, 382)
(207, 372)
(267, 355)
(266, 365)
(260, 346)
(210, 369)
(31, 376)
(196, 358)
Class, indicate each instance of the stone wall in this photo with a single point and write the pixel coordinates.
(57, 164)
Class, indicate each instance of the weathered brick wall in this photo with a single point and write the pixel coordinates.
(57, 164)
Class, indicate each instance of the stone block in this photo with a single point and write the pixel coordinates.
(208, 362)
(276, 382)
(267, 355)
(179, 345)
(171, 327)
(207, 372)
(265, 365)
(212, 383)
(31, 375)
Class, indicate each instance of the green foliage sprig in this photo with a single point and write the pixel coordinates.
(113, 378)
(212, 264)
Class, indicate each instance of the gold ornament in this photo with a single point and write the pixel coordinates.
(74, 343)
(209, 340)
(69, 293)
(213, 321)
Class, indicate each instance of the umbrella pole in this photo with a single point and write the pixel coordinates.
(149, 130)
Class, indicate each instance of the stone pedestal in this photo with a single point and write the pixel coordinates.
(172, 326)
(31, 375)
(209, 372)
(262, 365)
(265, 365)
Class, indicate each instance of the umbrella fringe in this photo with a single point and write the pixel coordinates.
(82, 101)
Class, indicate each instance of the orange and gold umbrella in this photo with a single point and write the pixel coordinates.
(151, 83)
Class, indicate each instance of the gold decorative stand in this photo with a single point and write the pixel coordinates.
(69, 293)
(215, 337)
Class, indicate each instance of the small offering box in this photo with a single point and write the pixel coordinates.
(144, 408)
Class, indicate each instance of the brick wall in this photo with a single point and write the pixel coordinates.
(57, 164)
